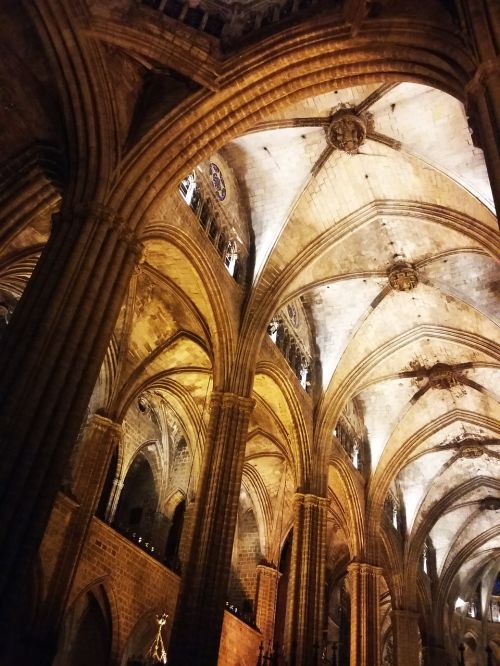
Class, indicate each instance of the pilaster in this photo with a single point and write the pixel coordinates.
(364, 585)
(304, 625)
(200, 609)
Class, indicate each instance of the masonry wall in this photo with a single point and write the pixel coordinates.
(136, 585)
(239, 644)
(243, 583)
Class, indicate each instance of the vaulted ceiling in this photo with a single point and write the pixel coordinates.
(370, 208)
(391, 245)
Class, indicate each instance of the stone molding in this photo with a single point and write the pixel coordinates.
(308, 499)
(485, 71)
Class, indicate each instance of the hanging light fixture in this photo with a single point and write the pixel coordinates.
(156, 653)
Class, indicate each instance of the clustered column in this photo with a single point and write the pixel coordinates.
(200, 609)
(307, 581)
(364, 586)
(51, 354)
(99, 439)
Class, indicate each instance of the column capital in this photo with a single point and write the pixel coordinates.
(364, 569)
(485, 70)
(269, 570)
(228, 399)
(101, 214)
(103, 423)
(308, 499)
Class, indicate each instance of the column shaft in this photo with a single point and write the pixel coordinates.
(200, 609)
(95, 451)
(483, 92)
(265, 601)
(304, 624)
(113, 500)
(364, 585)
(406, 637)
(50, 358)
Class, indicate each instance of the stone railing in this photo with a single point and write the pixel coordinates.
(294, 355)
(231, 23)
(353, 446)
(214, 227)
(247, 618)
(146, 544)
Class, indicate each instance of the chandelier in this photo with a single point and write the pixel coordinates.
(156, 653)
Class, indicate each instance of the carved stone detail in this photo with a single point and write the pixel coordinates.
(443, 376)
(347, 131)
(103, 215)
(490, 503)
(403, 276)
(471, 450)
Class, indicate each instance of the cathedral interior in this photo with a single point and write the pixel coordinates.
(249, 332)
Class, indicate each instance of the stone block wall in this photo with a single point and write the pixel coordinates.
(239, 644)
(136, 586)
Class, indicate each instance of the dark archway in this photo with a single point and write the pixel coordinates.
(138, 502)
(174, 538)
(87, 633)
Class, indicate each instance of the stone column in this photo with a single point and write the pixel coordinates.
(265, 601)
(200, 610)
(50, 358)
(114, 497)
(187, 532)
(305, 614)
(483, 92)
(364, 586)
(406, 638)
(94, 456)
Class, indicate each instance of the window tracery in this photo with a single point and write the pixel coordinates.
(392, 509)
(425, 559)
(226, 245)
(350, 442)
(292, 349)
(231, 22)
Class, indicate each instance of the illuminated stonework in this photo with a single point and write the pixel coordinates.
(347, 131)
(403, 277)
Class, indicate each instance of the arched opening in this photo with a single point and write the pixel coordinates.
(174, 538)
(107, 488)
(138, 502)
(281, 602)
(470, 652)
(86, 636)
